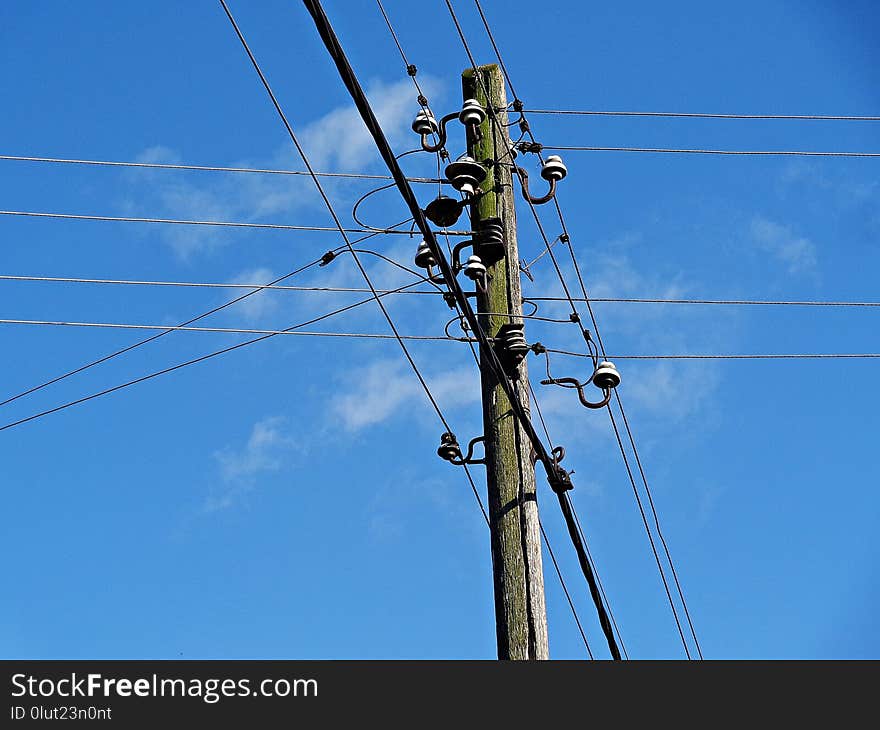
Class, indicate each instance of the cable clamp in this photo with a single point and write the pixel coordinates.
(411, 69)
(563, 238)
(525, 146)
(449, 298)
(327, 258)
(560, 480)
(574, 317)
(538, 348)
(518, 106)
(422, 100)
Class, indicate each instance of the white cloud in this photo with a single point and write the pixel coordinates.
(672, 389)
(336, 141)
(263, 453)
(797, 253)
(340, 139)
(386, 387)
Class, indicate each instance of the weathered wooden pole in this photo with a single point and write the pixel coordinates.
(520, 613)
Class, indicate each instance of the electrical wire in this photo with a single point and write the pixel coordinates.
(653, 508)
(647, 486)
(411, 70)
(332, 212)
(503, 136)
(752, 356)
(228, 224)
(491, 358)
(650, 535)
(210, 285)
(439, 180)
(495, 48)
(803, 117)
(568, 598)
(575, 318)
(434, 292)
(326, 258)
(665, 150)
(731, 302)
(141, 343)
(187, 363)
(589, 556)
(351, 82)
(205, 168)
(552, 467)
(228, 330)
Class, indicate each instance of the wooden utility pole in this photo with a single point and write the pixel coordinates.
(520, 613)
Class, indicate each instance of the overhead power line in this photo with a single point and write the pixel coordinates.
(206, 168)
(203, 358)
(323, 260)
(431, 338)
(692, 115)
(551, 467)
(231, 330)
(330, 209)
(228, 224)
(433, 292)
(423, 103)
(754, 356)
(726, 302)
(213, 285)
(665, 150)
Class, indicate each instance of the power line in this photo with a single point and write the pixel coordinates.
(229, 224)
(567, 238)
(228, 330)
(586, 546)
(426, 338)
(495, 48)
(502, 134)
(664, 150)
(568, 598)
(760, 356)
(363, 105)
(325, 259)
(689, 115)
(411, 71)
(141, 343)
(211, 285)
(332, 211)
(206, 168)
(731, 302)
(434, 292)
(653, 508)
(550, 465)
(648, 532)
(187, 363)
(491, 358)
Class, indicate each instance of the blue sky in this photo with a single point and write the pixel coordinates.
(285, 500)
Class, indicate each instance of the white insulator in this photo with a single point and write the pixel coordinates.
(424, 256)
(606, 376)
(474, 268)
(472, 112)
(424, 123)
(554, 168)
